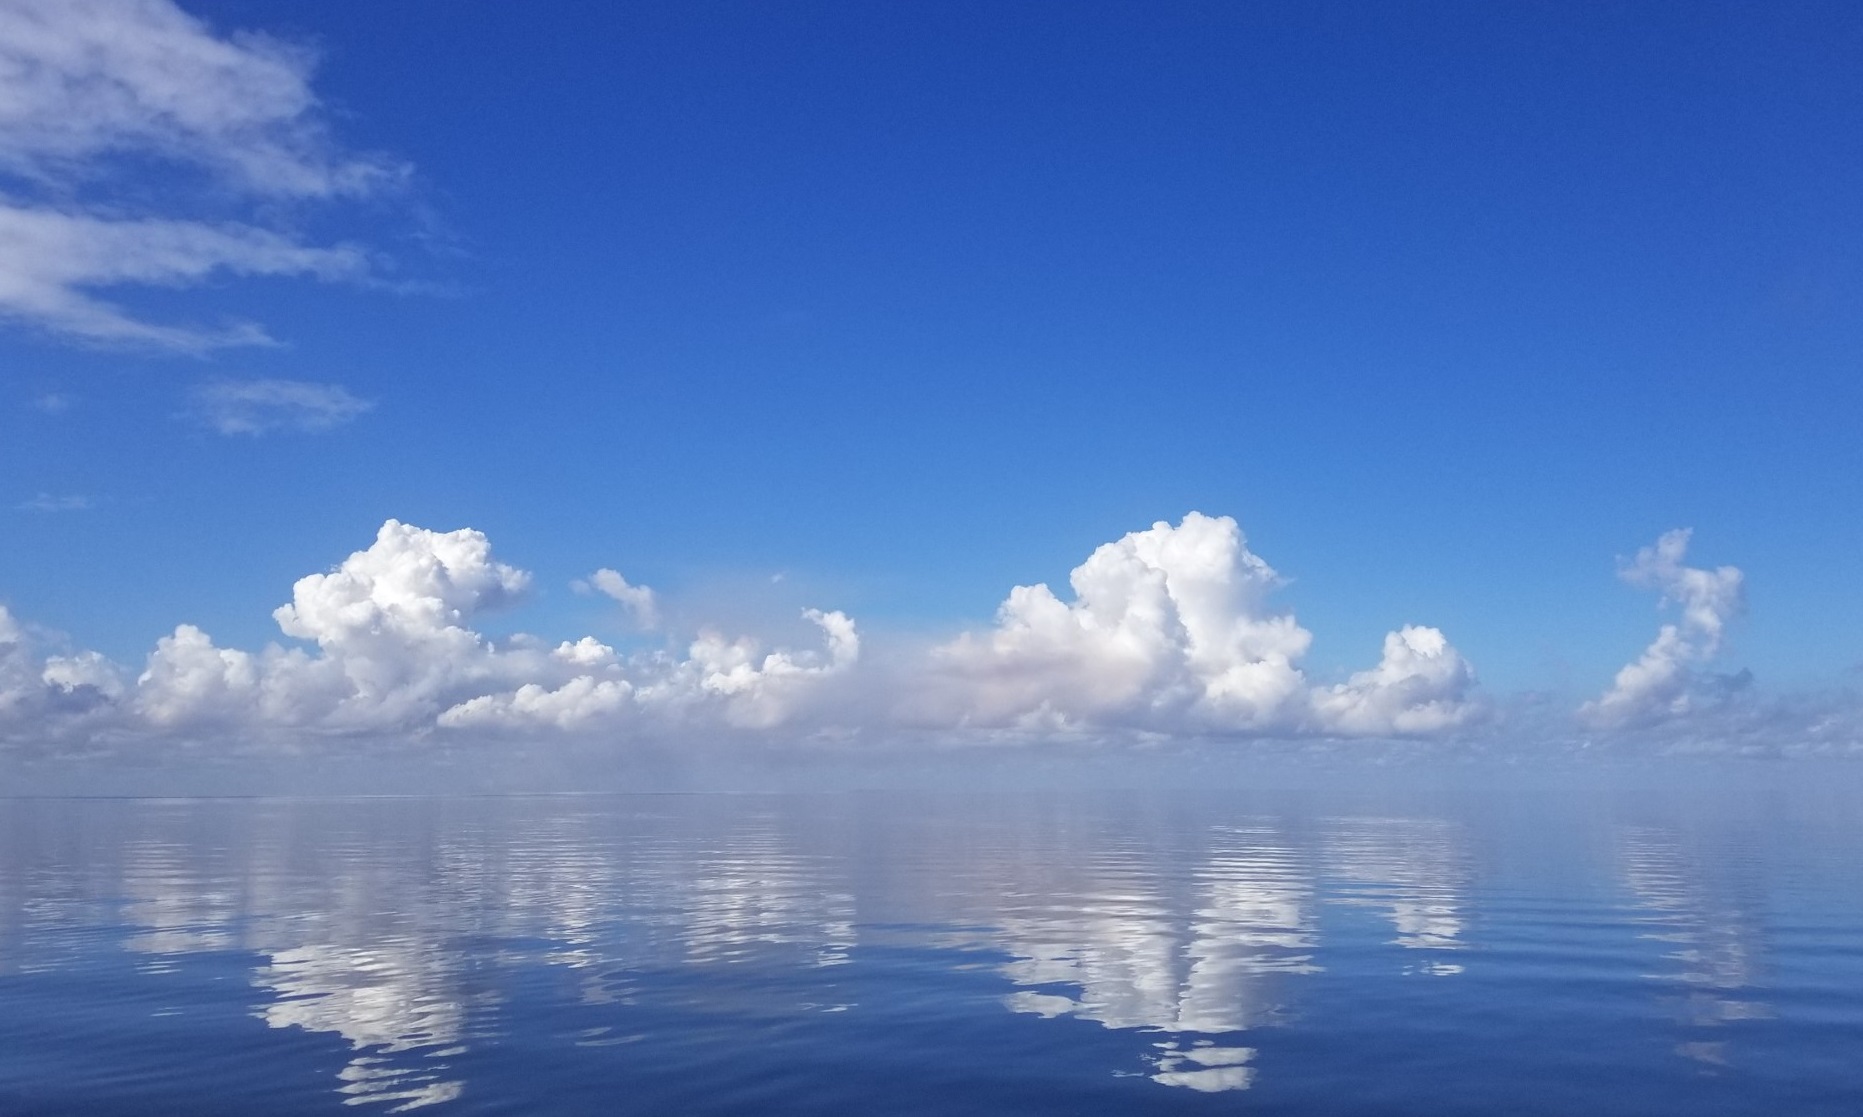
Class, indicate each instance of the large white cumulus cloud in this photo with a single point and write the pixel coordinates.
(390, 627)
(1660, 683)
(395, 651)
(1171, 629)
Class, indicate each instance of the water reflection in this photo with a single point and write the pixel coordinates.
(419, 942)
(1413, 870)
(1712, 942)
(387, 999)
(179, 907)
(1126, 953)
(348, 943)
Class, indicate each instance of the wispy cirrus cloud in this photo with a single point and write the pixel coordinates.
(91, 88)
(51, 260)
(253, 407)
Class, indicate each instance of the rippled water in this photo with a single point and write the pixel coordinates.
(1299, 953)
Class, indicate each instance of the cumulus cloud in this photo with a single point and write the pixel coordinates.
(1662, 682)
(734, 680)
(93, 90)
(391, 649)
(254, 407)
(1171, 629)
(38, 690)
(390, 628)
(1421, 685)
(1169, 632)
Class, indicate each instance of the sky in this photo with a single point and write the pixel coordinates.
(1320, 372)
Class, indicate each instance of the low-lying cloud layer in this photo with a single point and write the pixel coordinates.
(1170, 631)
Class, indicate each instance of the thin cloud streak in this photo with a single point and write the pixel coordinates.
(254, 407)
(47, 502)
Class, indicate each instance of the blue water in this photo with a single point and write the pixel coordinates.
(1299, 952)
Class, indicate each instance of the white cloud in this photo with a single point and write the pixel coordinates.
(580, 702)
(85, 80)
(1167, 625)
(38, 691)
(1170, 633)
(50, 259)
(1170, 630)
(1659, 684)
(94, 90)
(257, 406)
(760, 690)
(733, 680)
(638, 600)
(71, 674)
(1421, 685)
(393, 646)
(395, 652)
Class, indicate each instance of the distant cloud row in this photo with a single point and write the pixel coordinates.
(1168, 634)
(88, 87)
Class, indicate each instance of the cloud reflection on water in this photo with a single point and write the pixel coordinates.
(422, 935)
(1413, 870)
(1127, 953)
(1713, 945)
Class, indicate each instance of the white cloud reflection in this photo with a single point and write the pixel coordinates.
(1709, 938)
(389, 997)
(1412, 870)
(1117, 947)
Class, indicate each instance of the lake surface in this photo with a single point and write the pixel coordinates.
(1300, 952)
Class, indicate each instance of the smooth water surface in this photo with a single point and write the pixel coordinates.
(1290, 953)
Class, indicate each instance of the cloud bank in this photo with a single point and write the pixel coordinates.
(93, 92)
(1170, 631)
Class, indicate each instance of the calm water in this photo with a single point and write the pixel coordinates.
(1293, 953)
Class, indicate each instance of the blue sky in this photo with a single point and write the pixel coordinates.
(1453, 307)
